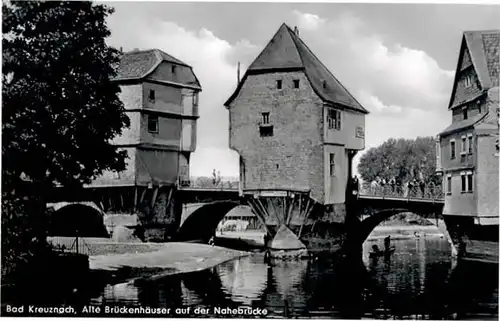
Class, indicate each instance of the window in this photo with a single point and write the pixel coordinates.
(333, 119)
(448, 184)
(332, 165)
(279, 84)
(265, 118)
(465, 114)
(464, 143)
(266, 131)
(295, 83)
(466, 181)
(153, 126)
(173, 68)
(469, 181)
(151, 94)
(452, 149)
(195, 99)
(468, 81)
(469, 137)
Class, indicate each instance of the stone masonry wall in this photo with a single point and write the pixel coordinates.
(293, 157)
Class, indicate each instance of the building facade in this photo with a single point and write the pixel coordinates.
(160, 96)
(468, 148)
(296, 129)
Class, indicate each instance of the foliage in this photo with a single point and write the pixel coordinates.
(60, 107)
(403, 159)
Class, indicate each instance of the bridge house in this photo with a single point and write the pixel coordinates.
(296, 129)
(467, 149)
(160, 96)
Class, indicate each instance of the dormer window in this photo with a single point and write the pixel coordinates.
(468, 81)
(296, 83)
(152, 95)
(279, 84)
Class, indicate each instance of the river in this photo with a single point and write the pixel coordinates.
(418, 281)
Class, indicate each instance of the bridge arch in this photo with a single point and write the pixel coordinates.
(84, 219)
(202, 222)
(363, 228)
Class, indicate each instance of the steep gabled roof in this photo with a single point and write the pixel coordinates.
(287, 52)
(483, 47)
(139, 64)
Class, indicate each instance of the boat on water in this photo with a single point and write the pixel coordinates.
(376, 252)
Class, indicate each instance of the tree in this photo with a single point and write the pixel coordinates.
(60, 106)
(403, 159)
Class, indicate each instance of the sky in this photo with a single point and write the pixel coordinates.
(397, 60)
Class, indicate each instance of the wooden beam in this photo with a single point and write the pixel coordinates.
(260, 217)
(110, 202)
(285, 209)
(300, 203)
(169, 198)
(275, 210)
(153, 199)
(290, 211)
(143, 195)
(307, 206)
(305, 219)
(135, 199)
(262, 208)
(121, 202)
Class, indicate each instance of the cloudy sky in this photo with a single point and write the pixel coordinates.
(398, 60)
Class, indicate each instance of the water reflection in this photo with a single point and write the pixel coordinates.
(417, 281)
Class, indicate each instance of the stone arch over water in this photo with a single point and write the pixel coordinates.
(363, 228)
(202, 222)
(82, 219)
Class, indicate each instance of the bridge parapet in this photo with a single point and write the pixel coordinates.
(426, 193)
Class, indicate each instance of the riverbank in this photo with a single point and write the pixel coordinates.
(167, 259)
(401, 232)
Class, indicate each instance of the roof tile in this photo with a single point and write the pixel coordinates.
(138, 64)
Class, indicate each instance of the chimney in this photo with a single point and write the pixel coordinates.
(296, 30)
(121, 49)
(238, 72)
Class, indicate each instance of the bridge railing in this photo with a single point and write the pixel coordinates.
(416, 192)
(428, 192)
(64, 244)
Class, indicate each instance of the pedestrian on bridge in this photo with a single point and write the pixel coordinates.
(422, 187)
(392, 183)
(355, 186)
